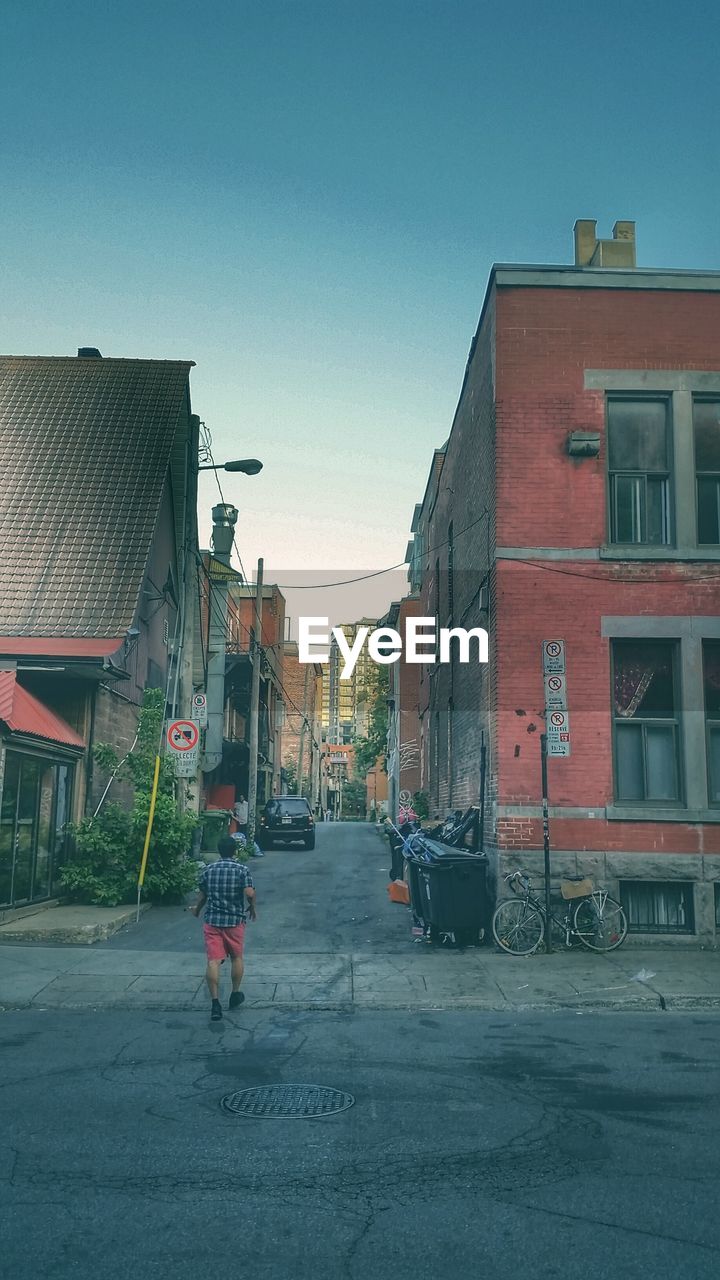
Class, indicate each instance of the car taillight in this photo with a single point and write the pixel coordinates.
(311, 820)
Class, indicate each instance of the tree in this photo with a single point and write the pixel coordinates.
(104, 864)
(368, 749)
(354, 799)
(290, 780)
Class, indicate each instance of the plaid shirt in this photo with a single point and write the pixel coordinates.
(224, 883)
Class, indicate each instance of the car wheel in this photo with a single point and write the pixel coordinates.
(310, 841)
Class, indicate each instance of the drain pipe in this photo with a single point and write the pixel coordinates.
(224, 518)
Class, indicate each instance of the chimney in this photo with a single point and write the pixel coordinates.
(89, 353)
(224, 519)
(591, 252)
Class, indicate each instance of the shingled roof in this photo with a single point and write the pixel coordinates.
(85, 445)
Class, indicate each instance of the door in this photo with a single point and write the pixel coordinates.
(34, 812)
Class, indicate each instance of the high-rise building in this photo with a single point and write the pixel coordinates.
(346, 703)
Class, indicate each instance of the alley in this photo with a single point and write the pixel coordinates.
(327, 900)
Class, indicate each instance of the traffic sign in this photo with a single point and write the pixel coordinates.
(198, 710)
(183, 736)
(558, 733)
(553, 657)
(186, 763)
(555, 693)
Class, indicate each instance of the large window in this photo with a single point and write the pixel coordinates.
(639, 471)
(646, 723)
(706, 430)
(34, 814)
(711, 679)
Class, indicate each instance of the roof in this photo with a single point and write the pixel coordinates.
(85, 446)
(551, 276)
(23, 713)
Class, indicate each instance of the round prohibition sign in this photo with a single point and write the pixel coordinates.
(553, 649)
(555, 684)
(557, 718)
(183, 735)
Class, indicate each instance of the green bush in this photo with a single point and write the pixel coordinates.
(104, 865)
(421, 805)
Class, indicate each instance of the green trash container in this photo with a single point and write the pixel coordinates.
(215, 824)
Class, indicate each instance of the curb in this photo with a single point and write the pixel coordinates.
(77, 935)
(675, 1004)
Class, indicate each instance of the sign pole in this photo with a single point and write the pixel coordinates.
(148, 832)
(546, 841)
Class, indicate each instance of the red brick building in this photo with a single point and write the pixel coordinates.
(404, 776)
(578, 498)
(301, 737)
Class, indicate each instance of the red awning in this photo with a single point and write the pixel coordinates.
(24, 713)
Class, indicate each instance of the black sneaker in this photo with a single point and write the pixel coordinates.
(236, 998)
(216, 1012)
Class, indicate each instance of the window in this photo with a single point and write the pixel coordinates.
(711, 681)
(706, 431)
(658, 907)
(646, 728)
(639, 471)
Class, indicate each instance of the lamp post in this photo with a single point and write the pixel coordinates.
(249, 466)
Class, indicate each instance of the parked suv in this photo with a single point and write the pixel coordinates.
(287, 818)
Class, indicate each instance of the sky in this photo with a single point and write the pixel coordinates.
(305, 197)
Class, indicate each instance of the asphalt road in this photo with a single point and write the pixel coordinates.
(329, 899)
(478, 1143)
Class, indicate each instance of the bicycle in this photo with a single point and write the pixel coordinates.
(597, 920)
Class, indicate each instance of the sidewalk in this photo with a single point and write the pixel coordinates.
(73, 924)
(422, 978)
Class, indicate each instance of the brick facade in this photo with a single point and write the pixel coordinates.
(514, 536)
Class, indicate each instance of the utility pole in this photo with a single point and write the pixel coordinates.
(220, 573)
(301, 749)
(255, 706)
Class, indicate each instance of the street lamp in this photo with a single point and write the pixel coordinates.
(250, 466)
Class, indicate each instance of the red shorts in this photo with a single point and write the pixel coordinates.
(220, 943)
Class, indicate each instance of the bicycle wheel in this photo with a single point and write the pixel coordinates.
(517, 927)
(600, 923)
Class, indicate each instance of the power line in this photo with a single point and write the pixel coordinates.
(345, 582)
(613, 578)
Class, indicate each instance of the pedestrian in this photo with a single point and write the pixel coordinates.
(241, 811)
(326, 815)
(227, 894)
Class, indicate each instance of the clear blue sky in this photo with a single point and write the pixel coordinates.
(306, 196)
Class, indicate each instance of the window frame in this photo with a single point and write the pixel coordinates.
(676, 723)
(640, 887)
(712, 725)
(650, 397)
(704, 475)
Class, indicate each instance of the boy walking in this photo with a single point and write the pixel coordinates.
(228, 895)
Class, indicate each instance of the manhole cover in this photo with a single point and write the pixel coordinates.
(287, 1100)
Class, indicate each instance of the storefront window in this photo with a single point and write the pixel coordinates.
(34, 813)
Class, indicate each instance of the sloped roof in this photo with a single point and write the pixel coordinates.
(85, 445)
(23, 713)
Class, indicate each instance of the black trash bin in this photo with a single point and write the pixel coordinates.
(417, 889)
(451, 890)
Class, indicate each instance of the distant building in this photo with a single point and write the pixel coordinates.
(300, 740)
(346, 703)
